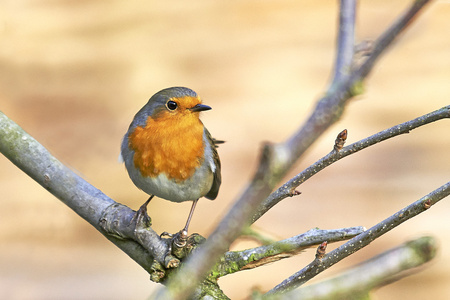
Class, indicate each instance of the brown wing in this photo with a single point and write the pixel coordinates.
(212, 194)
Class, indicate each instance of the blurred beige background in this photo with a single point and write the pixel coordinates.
(74, 73)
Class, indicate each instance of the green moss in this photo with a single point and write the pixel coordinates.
(357, 88)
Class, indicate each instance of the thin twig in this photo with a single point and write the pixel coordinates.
(373, 273)
(386, 39)
(332, 157)
(235, 261)
(361, 240)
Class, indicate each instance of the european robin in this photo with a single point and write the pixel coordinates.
(168, 152)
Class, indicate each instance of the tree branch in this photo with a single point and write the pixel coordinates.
(345, 41)
(360, 241)
(386, 39)
(276, 160)
(371, 274)
(87, 201)
(286, 189)
(234, 261)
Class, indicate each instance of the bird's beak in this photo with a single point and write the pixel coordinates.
(200, 107)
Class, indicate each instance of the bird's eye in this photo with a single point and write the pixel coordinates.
(171, 105)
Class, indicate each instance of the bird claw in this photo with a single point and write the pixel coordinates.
(178, 242)
(178, 239)
(141, 217)
(165, 233)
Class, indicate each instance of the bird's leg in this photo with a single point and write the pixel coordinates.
(179, 239)
(141, 215)
(191, 213)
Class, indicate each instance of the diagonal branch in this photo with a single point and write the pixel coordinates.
(83, 198)
(285, 190)
(275, 162)
(234, 261)
(362, 240)
(386, 39)
(376, 272)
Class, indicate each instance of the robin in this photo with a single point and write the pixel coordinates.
(169, 153)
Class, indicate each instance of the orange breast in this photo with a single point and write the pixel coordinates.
(171, 144)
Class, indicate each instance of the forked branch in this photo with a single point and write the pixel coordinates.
(285, 190)
(276, 160)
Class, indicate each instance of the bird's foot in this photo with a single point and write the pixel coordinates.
(141, 217)
(182, 244)
(179, 239)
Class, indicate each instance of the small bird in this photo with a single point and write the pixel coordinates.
(169, 153)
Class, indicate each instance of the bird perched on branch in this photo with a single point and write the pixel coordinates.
(169, 153)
